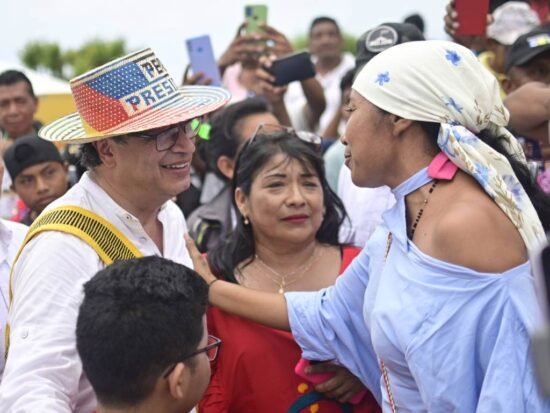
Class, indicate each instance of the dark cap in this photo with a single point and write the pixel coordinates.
(28, 151)
(527, 47)
(383, 37)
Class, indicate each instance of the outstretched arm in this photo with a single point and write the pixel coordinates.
(268, 309)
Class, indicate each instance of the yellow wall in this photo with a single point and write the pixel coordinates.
(52, 107)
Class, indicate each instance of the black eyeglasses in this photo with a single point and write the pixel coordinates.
(268, 129)
(166, 138)
(211, 351)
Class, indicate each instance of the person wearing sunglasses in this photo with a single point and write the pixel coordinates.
(142, 337)
(137, 130)
(285, 239)
(435, 314)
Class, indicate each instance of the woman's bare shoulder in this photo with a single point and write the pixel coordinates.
(475, 233)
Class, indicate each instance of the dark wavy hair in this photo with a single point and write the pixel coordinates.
(255, 154)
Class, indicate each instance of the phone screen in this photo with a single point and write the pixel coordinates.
(202, 58)
(472, 16)
(255, 16)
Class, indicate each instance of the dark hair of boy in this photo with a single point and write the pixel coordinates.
(138, 317)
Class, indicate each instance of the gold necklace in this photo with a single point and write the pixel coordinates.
(282, 282)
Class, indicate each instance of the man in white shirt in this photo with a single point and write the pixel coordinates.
(138, 130)
(11, 238)
(326, 45)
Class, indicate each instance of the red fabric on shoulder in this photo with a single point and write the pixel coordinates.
(348, 254)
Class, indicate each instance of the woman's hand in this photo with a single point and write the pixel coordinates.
(342, 387)
(199, 261)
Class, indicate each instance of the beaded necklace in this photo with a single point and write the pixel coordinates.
(415, 223)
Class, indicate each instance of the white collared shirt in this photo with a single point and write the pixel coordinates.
(12, 235)
(43, 371)
(364, 206)
(295, 99)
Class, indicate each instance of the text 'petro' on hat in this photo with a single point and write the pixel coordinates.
(134, 93)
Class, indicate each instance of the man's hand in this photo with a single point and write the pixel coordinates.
(452, 25)
(243, 47)
(280, 45)
(194, 79)
(264, 82)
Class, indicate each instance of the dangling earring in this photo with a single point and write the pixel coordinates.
(245, 220)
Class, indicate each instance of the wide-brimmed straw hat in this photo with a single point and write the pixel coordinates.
(134, 93)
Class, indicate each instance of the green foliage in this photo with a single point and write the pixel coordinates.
(38, 55)
(71, 62)
(300, 42)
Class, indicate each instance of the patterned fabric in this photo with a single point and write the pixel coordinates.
(443, 82)
(130, 94)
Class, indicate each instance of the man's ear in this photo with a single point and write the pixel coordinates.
(177, 381)
(104, 148)
(507, 85)
(226, 166)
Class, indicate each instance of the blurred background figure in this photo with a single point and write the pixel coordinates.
(38, 173)
(528, 76)
(12, 235)
(326, 45)
(416, 20)
(511, 20)
(18, 105)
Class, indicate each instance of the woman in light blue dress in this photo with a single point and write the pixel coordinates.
(436, 312)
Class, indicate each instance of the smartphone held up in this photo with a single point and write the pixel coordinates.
(201, 56)
(472, 17)
(255, 16)
(291, 68)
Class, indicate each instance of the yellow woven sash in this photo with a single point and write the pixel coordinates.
(106, 240)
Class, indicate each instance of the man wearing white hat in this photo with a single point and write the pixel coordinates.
(138, 130)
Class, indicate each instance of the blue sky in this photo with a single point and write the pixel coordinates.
(164, 25)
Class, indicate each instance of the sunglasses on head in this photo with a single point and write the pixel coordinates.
(270, 129)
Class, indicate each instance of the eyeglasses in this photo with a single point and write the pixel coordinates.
(211, 351)
(167, 137)
(268, 129)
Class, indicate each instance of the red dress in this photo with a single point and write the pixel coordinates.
(254, 372)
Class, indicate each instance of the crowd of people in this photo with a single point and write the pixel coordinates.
(357, 241)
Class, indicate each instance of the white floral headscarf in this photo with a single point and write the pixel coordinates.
(443, 82)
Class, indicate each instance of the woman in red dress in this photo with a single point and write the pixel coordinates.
(286, 239)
